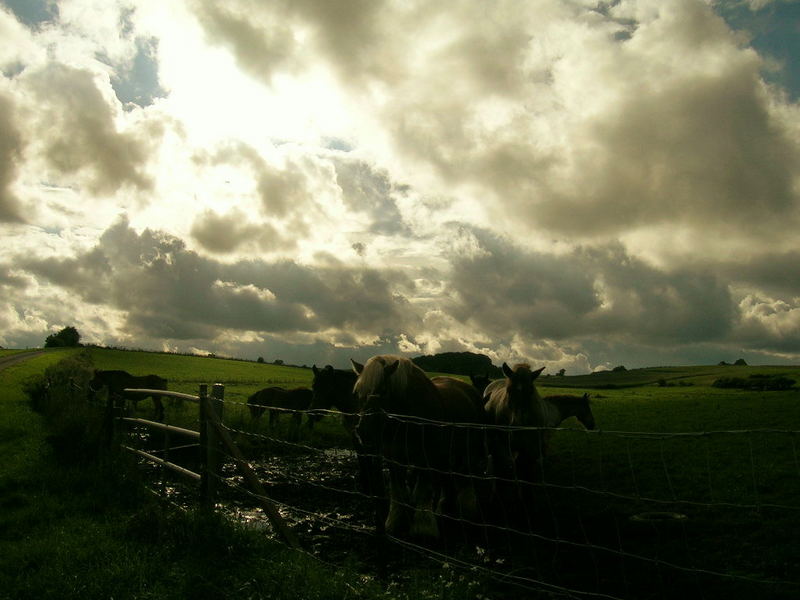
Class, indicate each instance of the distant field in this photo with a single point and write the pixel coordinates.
(671, 375)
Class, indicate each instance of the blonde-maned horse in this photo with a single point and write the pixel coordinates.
(407, 420)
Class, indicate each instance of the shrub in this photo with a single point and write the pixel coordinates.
(76, 427)
(756, 383)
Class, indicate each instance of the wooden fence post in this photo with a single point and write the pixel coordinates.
(252, 479)
(206, 490)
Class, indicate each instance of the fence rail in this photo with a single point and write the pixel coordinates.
(213, 438)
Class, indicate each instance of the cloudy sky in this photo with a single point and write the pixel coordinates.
(576, 183)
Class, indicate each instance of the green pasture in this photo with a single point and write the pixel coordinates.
(92, 530)
(726, 460)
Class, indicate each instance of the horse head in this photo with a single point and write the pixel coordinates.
(584, 413)
(520, 390)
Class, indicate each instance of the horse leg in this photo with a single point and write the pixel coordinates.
(294, 426)
(424, 499)
(400, 512)
(158, 405)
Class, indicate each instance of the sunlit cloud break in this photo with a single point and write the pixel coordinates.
(573, 183)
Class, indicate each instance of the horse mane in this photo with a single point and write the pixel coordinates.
(371, 377)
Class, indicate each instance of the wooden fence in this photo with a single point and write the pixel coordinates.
(212, 439)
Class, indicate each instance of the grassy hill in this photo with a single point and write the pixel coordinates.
(695, 375)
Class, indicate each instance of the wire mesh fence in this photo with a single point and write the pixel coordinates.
(608, 514)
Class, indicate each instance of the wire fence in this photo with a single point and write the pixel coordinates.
(610, 514)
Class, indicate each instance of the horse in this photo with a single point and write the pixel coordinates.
(480, 382)
(333, 388)
(116, 381)
(515, 402)
(278, 400)
(558, 408)
(408, 421)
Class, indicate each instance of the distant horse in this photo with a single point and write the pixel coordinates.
(558, 408)
(404, 421)
(279, 400)
(116, 382)
(514, 401)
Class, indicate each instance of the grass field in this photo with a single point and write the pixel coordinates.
(668, 441)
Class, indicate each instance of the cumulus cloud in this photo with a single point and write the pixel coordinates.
(10, 153)
(336, 175)
(231, 232)
(370, 191)
(506, 291)
(159, 283)
(76, 129)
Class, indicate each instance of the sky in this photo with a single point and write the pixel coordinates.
(570, 183)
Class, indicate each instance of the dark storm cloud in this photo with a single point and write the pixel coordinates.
(166, 289)
(776, 273)
(10, 154)
(591, 292)
(75, 124)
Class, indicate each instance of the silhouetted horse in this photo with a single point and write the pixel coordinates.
(333, 388)
(556, 408)
(408, 420)
(515, 402)
(116, 382)
(279, 400)
(563, 406)
(480, 382)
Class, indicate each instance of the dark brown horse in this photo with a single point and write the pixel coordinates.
(409, 421)
(515, 402)
(278, 400)
(333, 388)
(558, 408)
(117, 381)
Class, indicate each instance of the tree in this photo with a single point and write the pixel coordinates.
(66, 338)
(260, 359)
(561, 372)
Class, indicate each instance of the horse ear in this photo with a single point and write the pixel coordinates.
(314, 369)
(388, 370)
(507, 371)
(357, 367)
(538, 372)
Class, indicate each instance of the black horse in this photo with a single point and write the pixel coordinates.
(117, 381)
(279, 400)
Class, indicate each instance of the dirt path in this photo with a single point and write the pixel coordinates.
(7, 361)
